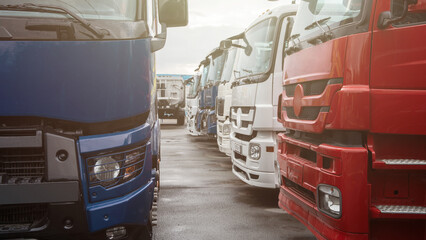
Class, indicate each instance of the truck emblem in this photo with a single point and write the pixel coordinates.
(297, 99)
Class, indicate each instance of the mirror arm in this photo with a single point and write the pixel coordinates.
(159, 40)
(386, 18)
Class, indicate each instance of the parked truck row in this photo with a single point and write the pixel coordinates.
(79, 131)
(326, 101)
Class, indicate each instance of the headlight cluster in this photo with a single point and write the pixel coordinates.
(226, 129)
(330, 200)
(116, 168)
(255, 151)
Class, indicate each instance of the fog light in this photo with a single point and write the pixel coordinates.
(226, 129)
(330, 200)
(116, 233)
(254, 151)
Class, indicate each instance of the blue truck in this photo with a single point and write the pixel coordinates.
(204, 69)
(79, 135)
(209, 120)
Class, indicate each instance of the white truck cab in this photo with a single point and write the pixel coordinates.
(255, 92)
(223, 102)
(192, 102)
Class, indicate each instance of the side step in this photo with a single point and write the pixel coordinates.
(411, 164)
(398, 211)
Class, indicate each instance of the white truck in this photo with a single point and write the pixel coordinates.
(171, 98)
(192, 103)
(223, 102)
(255, 92)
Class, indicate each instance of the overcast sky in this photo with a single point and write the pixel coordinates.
(210, 21)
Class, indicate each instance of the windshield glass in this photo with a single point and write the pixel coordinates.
(193, 87)
(205, 72)
(229, 65)
(88, 9)
(216, 69)
(326, 14)
(261, 40)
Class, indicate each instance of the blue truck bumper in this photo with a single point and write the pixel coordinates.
(127, 203)
(132, 209)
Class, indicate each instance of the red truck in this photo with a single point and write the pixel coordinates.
(353, 157)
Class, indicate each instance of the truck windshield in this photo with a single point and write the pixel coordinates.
(205, 73)
(260, 39)
(216, 68)
(88, 9)
(316, 17)
(193, 87)
(228, 65)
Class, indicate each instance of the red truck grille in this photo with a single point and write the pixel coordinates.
(307, 113)
(305, 105)
(310, 88)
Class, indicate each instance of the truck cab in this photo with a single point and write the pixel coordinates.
(223, 102)
(204, 70)
(255, 90)
(192, 103)
(209, 121)
(353, 158)
(79, 132)
(171, 97)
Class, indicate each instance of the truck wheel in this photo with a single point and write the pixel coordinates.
(181, 120)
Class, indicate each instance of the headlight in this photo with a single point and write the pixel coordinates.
(330, 200)
(254, 151)
(106, 169)
(226, 129)
(116, 168)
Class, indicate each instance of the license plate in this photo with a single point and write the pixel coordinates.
(237, 148)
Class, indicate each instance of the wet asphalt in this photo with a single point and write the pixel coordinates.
(200, 198)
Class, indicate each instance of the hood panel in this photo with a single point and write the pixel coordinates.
(80, 81)
(244, 95)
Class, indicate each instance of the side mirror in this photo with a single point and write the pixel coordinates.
(226, 44)
(159, 41)
(174, 13)
(386, 18)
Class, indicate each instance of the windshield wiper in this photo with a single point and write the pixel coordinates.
(31, 7)
(318, 23)
(327, 35)
(247, 70)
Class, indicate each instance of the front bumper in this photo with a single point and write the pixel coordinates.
(260, 173)
(342, 167)
(68, 207)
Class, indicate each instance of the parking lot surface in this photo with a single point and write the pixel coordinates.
(200, 198)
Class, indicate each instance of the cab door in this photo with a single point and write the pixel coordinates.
(286, 25)
(398, 70)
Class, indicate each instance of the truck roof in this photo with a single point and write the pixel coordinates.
(275, 12)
